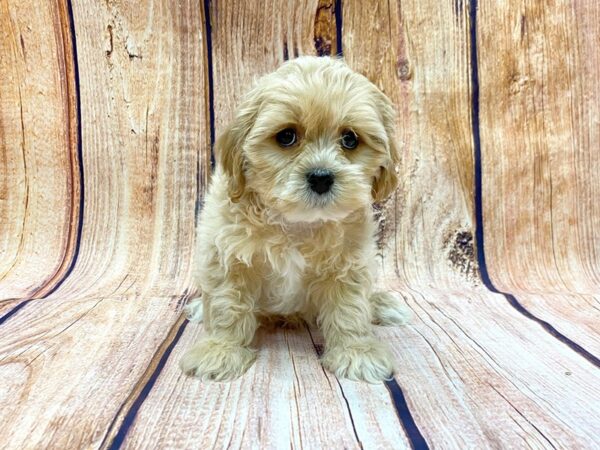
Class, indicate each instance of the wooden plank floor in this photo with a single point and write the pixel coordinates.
(577, 317)
(546, 396)
(107, 113)
(75, 371)
(454, 373)
(286, 390)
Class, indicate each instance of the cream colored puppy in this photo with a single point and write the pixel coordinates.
(287, 228)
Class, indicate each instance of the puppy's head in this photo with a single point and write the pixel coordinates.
(314, 140)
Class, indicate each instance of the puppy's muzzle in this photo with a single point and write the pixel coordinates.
(320, 180)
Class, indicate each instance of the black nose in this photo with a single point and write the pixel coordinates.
(320, 180)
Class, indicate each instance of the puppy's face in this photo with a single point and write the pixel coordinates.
(314, 140)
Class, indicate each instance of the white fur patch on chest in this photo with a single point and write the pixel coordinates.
(283, 288)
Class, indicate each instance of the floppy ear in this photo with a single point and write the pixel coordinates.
(229, 148)
(387, 181)
(230, 156)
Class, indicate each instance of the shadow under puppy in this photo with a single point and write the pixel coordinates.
(287, 227)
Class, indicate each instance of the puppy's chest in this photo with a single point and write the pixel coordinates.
(287, 271)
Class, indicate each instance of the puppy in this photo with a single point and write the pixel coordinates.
(287, 228)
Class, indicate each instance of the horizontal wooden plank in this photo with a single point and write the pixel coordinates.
(477, 374)
(68, 365)
(575, 316)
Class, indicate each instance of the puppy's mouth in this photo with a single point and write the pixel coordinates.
(319, 201)
(315, 208)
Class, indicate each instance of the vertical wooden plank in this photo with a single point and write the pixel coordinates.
(39, 173)
(418, 53)
(145, 146)
(540, 144)
(251, 39)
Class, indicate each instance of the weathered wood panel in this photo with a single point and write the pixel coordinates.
(375, 418)
(418, 54)
(466, 385)
(76, 362)
(67, 366)
(477, 374)
(473, 370)
(540, 115)
(285, 399)
(39, 174)
(146, 152)
(250, 39)
(7, 306)
(575, 316)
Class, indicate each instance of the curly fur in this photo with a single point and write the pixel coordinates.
(270, 248)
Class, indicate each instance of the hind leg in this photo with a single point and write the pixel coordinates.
(388, 309)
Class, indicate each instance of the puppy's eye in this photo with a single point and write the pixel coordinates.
(286, 137)
(349, 140)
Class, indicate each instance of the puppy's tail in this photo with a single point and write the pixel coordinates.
(388, 309)
(194, 310)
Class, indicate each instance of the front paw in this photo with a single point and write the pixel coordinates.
(366, 360)
(217, 361)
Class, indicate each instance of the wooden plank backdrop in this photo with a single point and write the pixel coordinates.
(540, 135)
(38, 136)
(107, 114)
(429, 223)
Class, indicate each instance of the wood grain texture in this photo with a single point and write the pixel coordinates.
(540, 115)
(76, 367)
(67, 366)
(477, 374)
(39, 178)
(87, 349)
(146, 152)
(285, 400)
(250, 39)
(509, 383)
(417, 52)
(374, 415)
(7, 306)
(575, 316)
